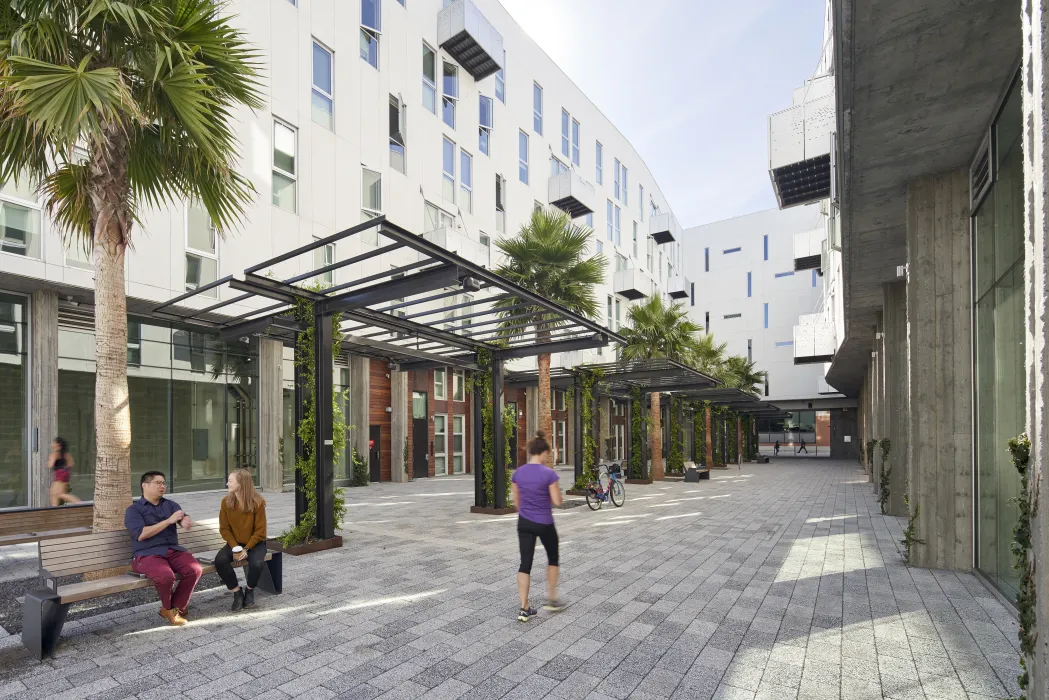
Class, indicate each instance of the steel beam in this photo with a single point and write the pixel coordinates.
(563, 346)
(498, 434)
(420, 282)
(371, 223)
(323, 420)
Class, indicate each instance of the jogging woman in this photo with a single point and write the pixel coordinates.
(535, 493)
(60, 463)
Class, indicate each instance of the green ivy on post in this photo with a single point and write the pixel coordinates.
(1026, 598)
(883, 481)
(509, 428)
(676, 454)
(588, 377)
(638, 427)
(483, 385)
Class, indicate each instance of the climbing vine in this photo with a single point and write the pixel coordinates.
(405, 457)
(700, 431)
(588, 377)
(1026, 600)
(750, 439)
(360, 475)
(910, 535)
(883, 481)
(676, 454)
(871, 444)
(482, 383)
(509, 428)
(638, 426)
(716, 431)
(732, 429)
(306, 464)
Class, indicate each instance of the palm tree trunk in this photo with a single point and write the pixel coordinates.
(111, 224)
(545, 417)
(657, 440)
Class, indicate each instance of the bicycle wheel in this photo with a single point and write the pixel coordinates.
(592, 501)
(618, 493)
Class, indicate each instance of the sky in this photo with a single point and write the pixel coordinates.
(690, 83)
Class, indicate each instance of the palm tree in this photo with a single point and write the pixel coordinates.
(709, 355)
(110, 107)
(547, 257)
(740, 372)
(658, 330)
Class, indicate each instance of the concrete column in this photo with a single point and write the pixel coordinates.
(43, 360)
(358, 413)
(897, 391)
(401, 413)
(1035, 18)
(532, 413)
(865, 418)
(938, 314)
(271, 410)
(875, 403)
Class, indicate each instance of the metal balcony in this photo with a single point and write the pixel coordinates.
(460, 244)
(808, 250)
(571, 193)
(679, 287)
(813, 340)
(469, 38)
(800, 144)
(631, 284)
(664, 228)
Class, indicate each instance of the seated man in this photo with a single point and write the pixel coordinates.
(151, 520)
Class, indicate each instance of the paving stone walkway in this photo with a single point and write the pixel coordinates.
(776, 581)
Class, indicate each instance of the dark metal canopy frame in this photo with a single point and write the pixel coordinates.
(412, 314)
(617, 380)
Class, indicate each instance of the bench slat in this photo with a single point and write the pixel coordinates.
(24, 521)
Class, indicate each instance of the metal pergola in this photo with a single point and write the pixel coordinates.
(407, 303)
(734, 399)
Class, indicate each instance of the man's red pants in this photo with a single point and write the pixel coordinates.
(161, 568)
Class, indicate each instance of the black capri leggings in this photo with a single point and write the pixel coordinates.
(527, 532)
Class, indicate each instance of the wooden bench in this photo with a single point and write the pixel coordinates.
(44, 610)
(695, 473)
(21, 525)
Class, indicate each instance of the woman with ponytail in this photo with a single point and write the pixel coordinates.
(535, 492)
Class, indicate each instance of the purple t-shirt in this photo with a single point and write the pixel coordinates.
(533, 483)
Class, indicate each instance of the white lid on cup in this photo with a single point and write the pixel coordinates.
(238, 549)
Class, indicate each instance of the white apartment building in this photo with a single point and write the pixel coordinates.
(368, 111)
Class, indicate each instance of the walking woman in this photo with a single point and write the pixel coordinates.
(242, 523)
(535, 492)
(60, 463)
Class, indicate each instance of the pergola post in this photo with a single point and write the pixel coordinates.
(577, 422)
(498, 434)
(629, 435)
(708, 438)
(478, 447)
(739, 439)
(645, 451)
(301, 397)
(325, 450)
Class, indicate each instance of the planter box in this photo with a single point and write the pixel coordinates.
(309, 548)
(639, 481)
(576, 492)
(493, 511)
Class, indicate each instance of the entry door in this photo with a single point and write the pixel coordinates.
(440, 444)
(374, 459)
(560, 453)
(420, 436)
(512, 437)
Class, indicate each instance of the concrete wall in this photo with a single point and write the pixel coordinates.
(897, 391)
(938, 311)
(1036, 170)
(399, 419)
(271, 406)
(43, 329)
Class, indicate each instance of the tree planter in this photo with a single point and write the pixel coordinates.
(295, 550)
(577, 492)
(639, 481)
(493, 511)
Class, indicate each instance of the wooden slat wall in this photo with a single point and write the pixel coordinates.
(379, 399)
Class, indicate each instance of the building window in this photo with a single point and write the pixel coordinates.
(785, 274)
(766, 244)
(537, 108)
(486, 121)
(590, 220)
(371, 203)
(729, 251)
(201, 250)
(728, 316)
(749, 284)
(599, 247)
(448, 170)
(500, 82)
(784, 343)
(626, 188)
(486, 243)
(449, 93)
(599, 157)
(766, 385)
(466, 181)
(557, 167)
(706, 260)
(692, 293)
(575, 141)
(322, 257)
(566, 138)
(522, 157)
(397, 131)
(500, 205)
(706, 321)
(429, 79)
(635, 240)
(750, 350)
(20, 220)
(615, 179)
(620, 263)
(284, 173)
(619, 240)
(371, 29)
(813, 279)
(440, 388)
(766, 314)
(641, 201)
(458, 385)
(322, 87)
(617, 314)
(609, 231)
(651, 255)
(436, 218)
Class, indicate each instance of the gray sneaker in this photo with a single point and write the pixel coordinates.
(555, 605)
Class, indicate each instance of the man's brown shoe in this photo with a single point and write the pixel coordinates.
(172, 616)
(183, 613)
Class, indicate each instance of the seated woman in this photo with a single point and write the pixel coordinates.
(242, 523)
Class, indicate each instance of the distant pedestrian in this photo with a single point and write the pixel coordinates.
(60, 463)
(242, 523)
(802, 448)
(775, 449)
(535, 492)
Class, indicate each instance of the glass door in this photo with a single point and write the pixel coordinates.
(458, 440)
(560, 454)
(440, 444)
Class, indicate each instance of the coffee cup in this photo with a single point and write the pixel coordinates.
(238, 549)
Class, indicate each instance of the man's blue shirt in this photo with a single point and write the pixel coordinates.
(140, 515)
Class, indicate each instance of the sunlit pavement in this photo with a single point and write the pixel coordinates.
(774, 581)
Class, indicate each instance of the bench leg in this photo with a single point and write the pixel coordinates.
(42, 619)
(272, 575)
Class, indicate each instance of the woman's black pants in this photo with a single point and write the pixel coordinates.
(256, 560)
(527, 533)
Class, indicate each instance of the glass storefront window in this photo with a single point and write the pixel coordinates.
(14, 465)
(998, 340)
